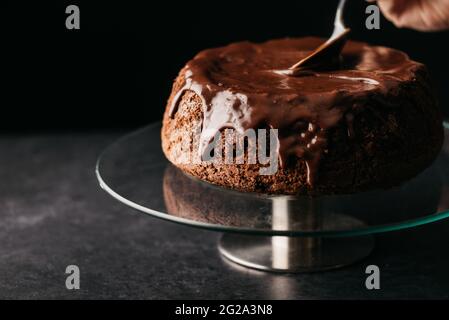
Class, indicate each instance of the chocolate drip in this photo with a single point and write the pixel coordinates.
(350, 122)
(246, 85)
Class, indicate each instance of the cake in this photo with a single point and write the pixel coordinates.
(367, 120)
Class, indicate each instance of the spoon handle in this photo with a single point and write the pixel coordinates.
(339, 25)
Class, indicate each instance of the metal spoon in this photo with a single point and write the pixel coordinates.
(329, 50)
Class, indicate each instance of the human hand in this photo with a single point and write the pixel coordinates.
(423, 15)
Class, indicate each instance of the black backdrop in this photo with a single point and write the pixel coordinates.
(117, 70)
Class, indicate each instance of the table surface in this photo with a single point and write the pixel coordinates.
(53, 214)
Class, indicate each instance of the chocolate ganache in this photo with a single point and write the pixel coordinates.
(246, 85)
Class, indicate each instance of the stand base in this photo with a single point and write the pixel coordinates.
(294, 254)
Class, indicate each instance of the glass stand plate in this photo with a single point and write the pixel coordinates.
(271, 232)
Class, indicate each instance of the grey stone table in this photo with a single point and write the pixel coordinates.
(53, 214)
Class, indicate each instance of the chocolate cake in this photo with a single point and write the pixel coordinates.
(368, 119)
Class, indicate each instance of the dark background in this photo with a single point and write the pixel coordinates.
(117, 71)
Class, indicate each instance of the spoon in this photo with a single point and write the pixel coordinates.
(328, 50)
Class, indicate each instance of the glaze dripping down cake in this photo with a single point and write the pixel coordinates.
(369, 120)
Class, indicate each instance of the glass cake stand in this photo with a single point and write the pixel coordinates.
(267, 232)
